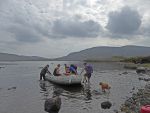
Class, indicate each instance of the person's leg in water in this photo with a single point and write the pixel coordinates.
(84, 78)
(41, 75)
(88, 78)
(44, 77)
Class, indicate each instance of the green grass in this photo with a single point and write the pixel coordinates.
(146, 65)
(118, 58)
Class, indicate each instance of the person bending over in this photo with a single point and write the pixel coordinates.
(73, 69)
(44, 71)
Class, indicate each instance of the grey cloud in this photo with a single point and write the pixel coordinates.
(2, 2)
(24, 31)
(76, 28)
(145, 30)
(24, 34)
(125, 22)
(74, 3)
(22, 23)
(25, 23)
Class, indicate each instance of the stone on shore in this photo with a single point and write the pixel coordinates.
(134, 103)
(106, 105)
(52, 105)
(141, 70)
(11, 88)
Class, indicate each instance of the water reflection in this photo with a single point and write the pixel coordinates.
(87, 92)
(76, 92)
(74, 99)
(44, 89)
(56, 91)
(70, 92)
(72, 89)
(43, 86)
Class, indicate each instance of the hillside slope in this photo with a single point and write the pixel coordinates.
(13, 57)
(105, 52)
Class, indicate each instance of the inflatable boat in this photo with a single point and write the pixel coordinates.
(64, 80)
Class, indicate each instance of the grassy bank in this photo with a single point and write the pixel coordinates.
(134, 62)
(134, 66)
(113, 59)
(130, 62)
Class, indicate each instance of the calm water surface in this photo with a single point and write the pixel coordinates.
(22, 92)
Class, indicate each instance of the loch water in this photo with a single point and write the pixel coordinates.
(22, 92)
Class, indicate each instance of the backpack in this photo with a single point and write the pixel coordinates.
(89, 69)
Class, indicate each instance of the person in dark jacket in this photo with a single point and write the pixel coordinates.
(44, 71)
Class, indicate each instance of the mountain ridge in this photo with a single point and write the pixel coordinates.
(107, 52)
(15, 57)
(94, 53)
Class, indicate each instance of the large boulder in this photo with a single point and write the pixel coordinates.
(52, 105)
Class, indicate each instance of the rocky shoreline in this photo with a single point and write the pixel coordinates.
(134, 103)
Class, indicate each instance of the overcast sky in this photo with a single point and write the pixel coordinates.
(53, 28)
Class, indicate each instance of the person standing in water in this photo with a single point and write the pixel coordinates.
(43, 72)
(88, 72)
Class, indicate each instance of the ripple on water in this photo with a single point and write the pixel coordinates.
(74, 99)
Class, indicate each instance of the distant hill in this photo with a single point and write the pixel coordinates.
(105, 53)
(95, 53)
(13, 57)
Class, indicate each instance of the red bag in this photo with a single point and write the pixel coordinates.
(145, 109)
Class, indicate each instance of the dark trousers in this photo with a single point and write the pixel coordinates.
(42, 76)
